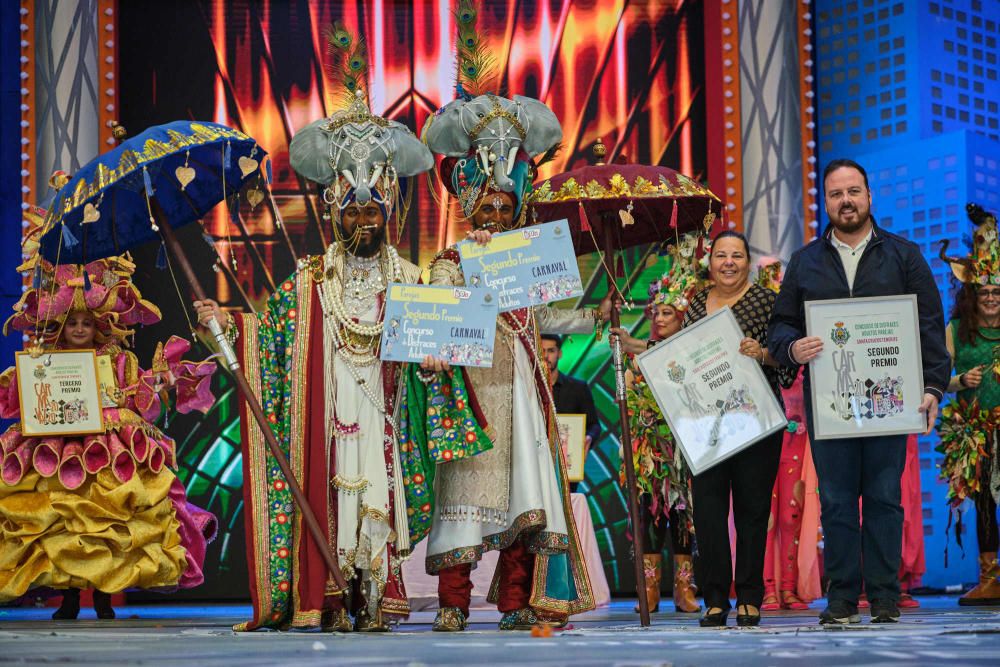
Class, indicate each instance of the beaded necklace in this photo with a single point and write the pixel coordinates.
(337, 320)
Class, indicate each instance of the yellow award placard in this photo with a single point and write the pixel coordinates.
(59, 393)
(573, 438)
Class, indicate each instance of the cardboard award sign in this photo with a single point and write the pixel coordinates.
(525, 267)
(457, 324)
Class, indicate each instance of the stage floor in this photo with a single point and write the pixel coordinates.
(201, 636)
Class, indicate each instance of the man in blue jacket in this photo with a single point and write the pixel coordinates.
(856, 258)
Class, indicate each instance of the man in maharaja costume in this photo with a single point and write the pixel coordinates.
(481, 455)
(313, 357)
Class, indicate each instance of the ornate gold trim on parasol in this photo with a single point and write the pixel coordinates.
(618, 187)
(152, 150)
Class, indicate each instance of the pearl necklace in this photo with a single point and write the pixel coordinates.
(517, 328)
(335, 317)
(330, 296)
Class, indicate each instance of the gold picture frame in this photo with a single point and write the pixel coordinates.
(573, 438)
(58, 393)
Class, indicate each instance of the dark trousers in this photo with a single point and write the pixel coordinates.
(986, 507)
(749, 476)
(867, 547)
(986, 521)
(656, 527)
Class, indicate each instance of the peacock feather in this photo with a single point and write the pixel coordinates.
(476, 74)
(349, 59)
(549, 155)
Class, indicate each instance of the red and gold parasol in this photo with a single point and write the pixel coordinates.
(611, 207)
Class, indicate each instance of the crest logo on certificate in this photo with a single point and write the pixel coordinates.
(869, 379)
(717, 401)
(525, 267)
(59, 393)
(457, 324)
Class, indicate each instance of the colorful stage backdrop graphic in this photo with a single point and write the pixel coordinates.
(630, 73)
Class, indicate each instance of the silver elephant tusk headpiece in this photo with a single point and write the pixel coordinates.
(375, 175)
(349, 175)
(511, 156)
(484, 158)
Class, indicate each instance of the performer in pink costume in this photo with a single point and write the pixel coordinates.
(788, 498)
(912, 567)
(105, 510)
(781, 564)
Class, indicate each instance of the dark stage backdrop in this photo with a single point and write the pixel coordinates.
(631, 73)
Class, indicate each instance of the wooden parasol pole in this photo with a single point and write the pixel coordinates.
(329, 557)
(626, 436)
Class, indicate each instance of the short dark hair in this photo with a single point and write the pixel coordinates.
(840, 162)
(553, 337)
(729, 233)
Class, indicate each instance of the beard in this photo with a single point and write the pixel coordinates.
(850, 227)
(368, 248)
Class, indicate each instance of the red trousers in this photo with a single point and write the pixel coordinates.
(516, 567)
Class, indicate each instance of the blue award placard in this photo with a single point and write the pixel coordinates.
(457, 324)
(525, 267)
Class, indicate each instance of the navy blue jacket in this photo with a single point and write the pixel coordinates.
(889, 265)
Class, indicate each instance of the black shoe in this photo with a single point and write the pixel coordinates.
(747, 620)
(102, 606)
(885, 611)
(840, 612)
(70, 607)
(714, 619)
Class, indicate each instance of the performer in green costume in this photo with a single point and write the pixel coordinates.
(480, 452)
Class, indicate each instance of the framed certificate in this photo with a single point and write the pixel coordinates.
(716, 401)
(525, 267)
(868, 380)
(573, 438)
(457, 324)
(59, 393)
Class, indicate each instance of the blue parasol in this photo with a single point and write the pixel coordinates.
(187, 167)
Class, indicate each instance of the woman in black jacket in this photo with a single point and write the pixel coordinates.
(749, 475)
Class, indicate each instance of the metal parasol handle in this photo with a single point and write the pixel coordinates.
(626, 435)
(228, 353)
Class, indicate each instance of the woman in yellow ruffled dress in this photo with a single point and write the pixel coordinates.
(102, 511)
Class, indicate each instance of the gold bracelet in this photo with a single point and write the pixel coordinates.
(232, 333)
(598, 323)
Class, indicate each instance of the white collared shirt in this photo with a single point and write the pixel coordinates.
(850, 256)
